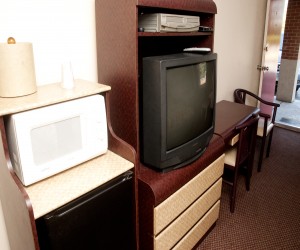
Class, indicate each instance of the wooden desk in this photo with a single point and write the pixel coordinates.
(230, 114)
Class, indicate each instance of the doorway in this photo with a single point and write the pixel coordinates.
(288, 115)
(274, 23)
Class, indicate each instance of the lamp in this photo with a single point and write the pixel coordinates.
(17, 73)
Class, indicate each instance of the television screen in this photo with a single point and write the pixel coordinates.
(177, 108)
(190, 102)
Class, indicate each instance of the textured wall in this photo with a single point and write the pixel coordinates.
(59, 30)
(291, 41)
(4, 245)
(239, 31)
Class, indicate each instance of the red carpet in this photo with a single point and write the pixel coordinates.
(268, 216)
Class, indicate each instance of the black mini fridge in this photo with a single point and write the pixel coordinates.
(100, 219)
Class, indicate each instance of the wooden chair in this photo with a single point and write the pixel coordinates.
(241, 155)
(266, 122)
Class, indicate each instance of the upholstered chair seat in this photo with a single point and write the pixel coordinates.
(260, 127)
(230, 156)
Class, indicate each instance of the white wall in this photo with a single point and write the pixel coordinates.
(4, 244)
(239, 29)
(59, 30)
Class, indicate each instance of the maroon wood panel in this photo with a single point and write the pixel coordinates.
(122, 148)
(117, 63)
(207, 6)
(115, 143)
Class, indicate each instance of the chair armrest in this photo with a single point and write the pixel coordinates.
(240, 95)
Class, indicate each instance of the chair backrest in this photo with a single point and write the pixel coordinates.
(247, 138)
(240, 96)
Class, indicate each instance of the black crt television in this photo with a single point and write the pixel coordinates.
(177, 107)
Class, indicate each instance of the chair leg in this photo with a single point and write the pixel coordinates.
(269, 143)
(248, 177)
(233, 191)
(261, 153)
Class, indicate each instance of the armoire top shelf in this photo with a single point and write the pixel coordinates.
(205, 6)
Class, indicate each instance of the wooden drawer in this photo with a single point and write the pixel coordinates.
(198, 231)
(174, 232)
(174, 205)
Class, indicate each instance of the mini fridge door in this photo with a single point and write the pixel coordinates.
(100, 219)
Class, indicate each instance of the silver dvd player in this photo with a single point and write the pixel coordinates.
(160, 22)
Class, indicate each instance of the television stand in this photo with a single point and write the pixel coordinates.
(165, 196)
(183, 164)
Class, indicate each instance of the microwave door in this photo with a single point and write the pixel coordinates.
(50, 147)
(47, 143)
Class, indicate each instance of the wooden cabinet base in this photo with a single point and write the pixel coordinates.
(183, 218)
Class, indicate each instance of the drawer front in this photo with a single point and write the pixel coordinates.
(172, 207)
(198, 231)
(175, 231)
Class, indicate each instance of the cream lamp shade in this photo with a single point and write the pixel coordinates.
(17, 73)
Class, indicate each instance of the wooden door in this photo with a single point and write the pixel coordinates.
(268, 67)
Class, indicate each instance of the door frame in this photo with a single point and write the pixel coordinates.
(270, 51)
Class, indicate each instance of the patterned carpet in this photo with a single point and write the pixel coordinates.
(268, 216)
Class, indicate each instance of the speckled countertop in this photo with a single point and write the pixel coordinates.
(62, 188)
(50, 94)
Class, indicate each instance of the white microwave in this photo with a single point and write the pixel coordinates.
(45, 141)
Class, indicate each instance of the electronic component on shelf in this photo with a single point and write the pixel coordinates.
(197, 50)
(205, 28)
(160, 22)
